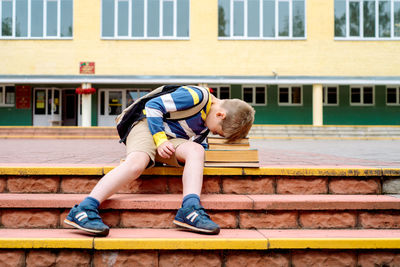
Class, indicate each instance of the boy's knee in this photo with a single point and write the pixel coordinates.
(136, 164)
(194, 150)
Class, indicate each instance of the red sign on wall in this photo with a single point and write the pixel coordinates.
(87, 68)
(23, 96)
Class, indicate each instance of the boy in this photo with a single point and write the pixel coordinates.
(158, 139)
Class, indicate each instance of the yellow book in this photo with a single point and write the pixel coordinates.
(229, 146)
(220, 140)
(250, 155)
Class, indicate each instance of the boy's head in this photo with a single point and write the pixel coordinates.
(230, 118)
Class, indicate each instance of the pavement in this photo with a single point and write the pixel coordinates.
(272, 152)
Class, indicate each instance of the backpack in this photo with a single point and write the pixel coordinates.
(131, 115)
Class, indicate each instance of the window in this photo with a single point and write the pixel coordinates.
(145, 19)
(221, 91)
(7, 95)
(362, 95)
(330, 95)
(261, 19)
(36, 19)
(290, 95)
(254, 95)
(393, 96)
(367, 19)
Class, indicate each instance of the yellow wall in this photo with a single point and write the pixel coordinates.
(203, 54)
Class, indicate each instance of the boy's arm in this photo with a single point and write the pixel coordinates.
(183, 98)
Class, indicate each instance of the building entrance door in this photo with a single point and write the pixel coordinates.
(47, 105)
(69, 108)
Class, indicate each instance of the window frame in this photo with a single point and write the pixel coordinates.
(325, 95)
(218, 87)
(361, 23)
(3, 95)
(29, 24)
(290, 95)
(362, 95)
(397, 95)
(261, 37)
(145, 23)
(253, 103)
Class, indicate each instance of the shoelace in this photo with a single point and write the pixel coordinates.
(202, 211)
(92, 213)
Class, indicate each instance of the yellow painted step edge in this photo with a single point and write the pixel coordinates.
(200, 243)
(272, 171)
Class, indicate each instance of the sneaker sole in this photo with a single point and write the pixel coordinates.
(199, 230)
(98, 232)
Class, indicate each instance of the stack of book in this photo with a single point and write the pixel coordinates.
(237, 154)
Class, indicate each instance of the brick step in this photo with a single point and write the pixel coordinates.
(171, 247)
(167, 180)
(229, 211)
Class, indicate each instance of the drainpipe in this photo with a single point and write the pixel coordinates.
(317, 105)
(86, 107)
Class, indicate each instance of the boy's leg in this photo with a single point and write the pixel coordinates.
(192, 215)
(85, 216)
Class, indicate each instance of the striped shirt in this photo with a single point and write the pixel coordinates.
(182, 98)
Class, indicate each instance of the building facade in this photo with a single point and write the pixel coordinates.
(330, 62)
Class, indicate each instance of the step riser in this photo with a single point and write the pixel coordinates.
(211, 185)
(228, 258)
(363, 219)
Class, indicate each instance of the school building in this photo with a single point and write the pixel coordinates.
(311, 62)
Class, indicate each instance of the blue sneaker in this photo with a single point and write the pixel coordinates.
(195, 218)
(87, 219)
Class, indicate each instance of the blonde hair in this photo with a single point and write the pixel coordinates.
(238, 120)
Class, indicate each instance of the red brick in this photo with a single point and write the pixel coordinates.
(378, 258)
(298, 186)
(40, 258)
(354, 186)
(34, 185)
(211, 185)
(268, 220)
(78, 184)
(147, 219)
(67, 258)
(63, 215)
(248, 186)
(328, 219)
(2, 185)
(30, 219)
(175, 185)
(256, 259)
(379, 220)
(225, 219)
(111, 218)
(125, 258)
(12, 258)
(323, 259)
(189, 258)
(146, 185)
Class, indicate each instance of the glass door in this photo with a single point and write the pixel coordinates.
(47, 103)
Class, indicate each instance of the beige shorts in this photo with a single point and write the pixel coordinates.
(140, 139)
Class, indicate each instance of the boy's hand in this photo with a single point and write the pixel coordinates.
(166, 149)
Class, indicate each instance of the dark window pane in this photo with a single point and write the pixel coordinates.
(10, 95)
(283, 95)
(40, 102)
(131, 96)
(369, 18)
(248, 94)
(224, 93)
(332, 95)
(183, 11)
(6, 15)
(340, 18)
(102, 99)
(21, 26)
(224, 12)
(66, 18)
(260, 95)
(56, 102)
(214, 91)
(138, 18)
(296, 95)
(49, 101)
(108, 18)
(384, 18)
(298, 18)
(354, 19)
(391, 97)
(368, 95)
(253, 18)
(114, 103)
(355, 95)
(269, 18)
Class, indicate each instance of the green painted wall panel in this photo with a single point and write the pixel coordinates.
(10, 116)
